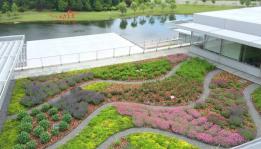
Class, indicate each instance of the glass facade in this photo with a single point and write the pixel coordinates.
(236, 51)
(198, 40)
(212, 44)
(252, 56)
(231, 50)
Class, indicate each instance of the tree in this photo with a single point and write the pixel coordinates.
(151, 6)
(242, 2)
(5, 7)
(142, 7)
(77, 5)
(213, 1)
(204, 1)
(163, 5)
(134, 7)
(62, 5)
(248, 3)
(98, 5)
(172, 4)
(122, 7)
(14, 9)
(87, 5)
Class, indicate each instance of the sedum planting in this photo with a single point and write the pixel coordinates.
(149, 140)
(101, 127)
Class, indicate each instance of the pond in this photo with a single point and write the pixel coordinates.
(135, 29)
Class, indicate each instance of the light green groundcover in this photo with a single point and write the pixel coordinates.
(149, 140)
(107, 123)
(257, 98)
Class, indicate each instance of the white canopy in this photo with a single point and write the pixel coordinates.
(243, 38)
(10, 49)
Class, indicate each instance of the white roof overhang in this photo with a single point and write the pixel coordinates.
(243, 38)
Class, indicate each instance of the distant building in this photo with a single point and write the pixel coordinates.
(231, 38)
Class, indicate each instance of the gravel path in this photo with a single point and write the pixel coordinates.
(251, 108)
(127, 132)
(206, 89)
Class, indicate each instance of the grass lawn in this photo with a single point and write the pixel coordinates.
(107, 123)
(257, 99)
(49, 16)
(147, 140)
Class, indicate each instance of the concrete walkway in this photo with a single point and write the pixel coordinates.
(127, 132)
(97, 63)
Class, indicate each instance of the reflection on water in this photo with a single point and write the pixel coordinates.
(135, 29)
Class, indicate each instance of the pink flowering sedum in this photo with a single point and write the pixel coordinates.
(180, 120)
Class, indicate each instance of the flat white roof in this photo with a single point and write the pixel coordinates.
(252, 14)
(243, 38)
(73, 49)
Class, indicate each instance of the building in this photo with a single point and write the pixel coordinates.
(231, 38)
(10, 50)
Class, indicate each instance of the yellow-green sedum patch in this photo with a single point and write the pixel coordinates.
(100, 128)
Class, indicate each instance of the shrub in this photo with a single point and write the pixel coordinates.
(40, 117)
(53, 111)
(38, 131)
(19, 146)
(23, 137)
(76, 103)
(63, 85)
(34, 95)
(55, 117)
(45, 124)
(235, 121)
(71, 82)
(26, 127)
(63, 126)
(45, 137)
(51, 89)
(35, 112)
(21, 115)
(55, 131)
(45, 107)
(216, 119)
(27, 119)
(200, 105)
(247, 134)
(88, 76)
(67, 118)
(31, 145)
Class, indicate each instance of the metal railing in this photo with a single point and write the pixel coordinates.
(138, 48)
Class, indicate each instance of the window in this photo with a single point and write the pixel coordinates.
(212, 44)
(252, 56)
(231, 50)
(198, 39)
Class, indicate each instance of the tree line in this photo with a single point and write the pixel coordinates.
(64, 5)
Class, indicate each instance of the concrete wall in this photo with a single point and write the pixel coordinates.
(228, 62)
